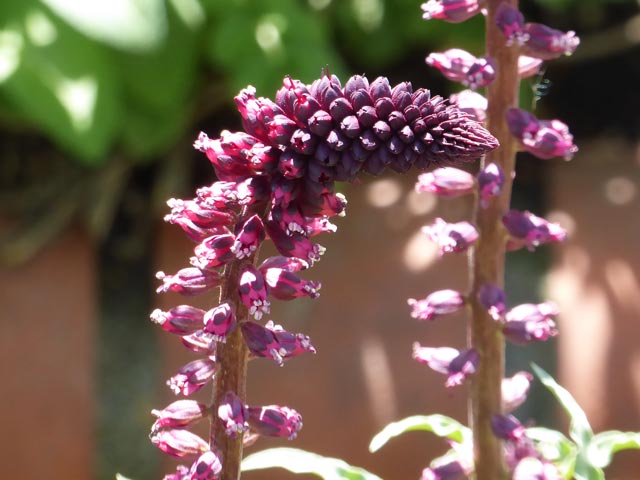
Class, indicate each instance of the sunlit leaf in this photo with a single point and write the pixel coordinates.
(299, 461)
(605, 444)
(440, 425)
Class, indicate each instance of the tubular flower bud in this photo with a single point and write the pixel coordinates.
(515, 390)
(452, 11)
(532, 468)
(294, 245)
(179, 414)
(454, 470)
(290, 264)
(179, 443)
(285, 285)
(193, 376)
(472, 103)
(493, 299)
(181, 473)
(528, 66)
(249, 238)
(275, 421)
(451, 237)
(507, 427)
(233, 414)
(219, 322)
(490, 183)
(214, 251)
(528, 230)
(188, 281)
(548, 43)
(227, 195)
(529, 322)
(446, 181)
(181, 320)
(271, 341)
(457, 365)
(510, 21)
(543, 138)
(206, 467)
(436, 304)
(253, 291)
(202, 216)
(460, 66)
(200, 342)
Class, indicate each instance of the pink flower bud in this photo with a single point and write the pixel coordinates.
(290, 264)
(202, 216)
(480, 74)
(219, 322)
(214, 251)
(271, 341)
(253, 291)
(460, 66)
(490, 182)
(181, 473)
(295, 245)
(436, 304)
(472, 103)
(448, 471)
(451, 237)
(452, 11)
(285, 285)
(543, 138)
(249, 238)
(188, 281)
(532, 468)
(317, 225)
(528, 66)
(493, 299)
(179, 414)
(181, 320)
(548, 43)
(275, 421)
(507, 427)
(530, 231)
(446, 181)
(515, 390)
(457, 365)
(200, 342)
(510, 21)
(193, 376)
(530, 322)
(233, 414)
(206, 467)
(225, 195)
(179, 443)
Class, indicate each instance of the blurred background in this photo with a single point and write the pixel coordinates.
(99, 105)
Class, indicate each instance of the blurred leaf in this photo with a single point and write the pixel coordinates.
(299, 461)
(121, 477)
(134, 25)
(58, 79)
(579, 429)
(555, 447)
(440, 425)
(605, 444)
(257, 43)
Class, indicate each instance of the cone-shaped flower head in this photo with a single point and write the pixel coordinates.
(452, 11)
(437, 303)
(446, 182)
(543, 138)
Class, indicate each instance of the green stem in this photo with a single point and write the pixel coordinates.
(487, 258)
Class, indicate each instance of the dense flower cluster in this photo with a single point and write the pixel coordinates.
(276, 181)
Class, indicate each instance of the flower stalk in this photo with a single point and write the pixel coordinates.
(488, 255)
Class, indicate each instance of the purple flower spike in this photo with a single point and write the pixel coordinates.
(548, 43)
(253, 291)
(507, 427)
(181, 320)
(219, 322)
(471, 103)
(529, 322)
(179, 443)
(436, 304)
(460, 66)
(271, 341)
(446, 182)
(490, 182)
(510, 21)
(285, 285)
(449, 361)
(530, 231)
(213, 252)
(532, 468)
(493, 299)
(452, 11)
(451, 237)
(179, 414)
(193, 376)
(206, 467)
(188, 281)
(543, 138)
(275, 421)
(449, 471)
(249, 238)
(233, 414)
(515, 390)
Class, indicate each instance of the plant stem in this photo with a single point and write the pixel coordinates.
(487, 258)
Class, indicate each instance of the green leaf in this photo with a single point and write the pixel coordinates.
(119, 476)
(579, 429)
(440, 425)
(299, 461)
(605, 444)
(555, 447)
